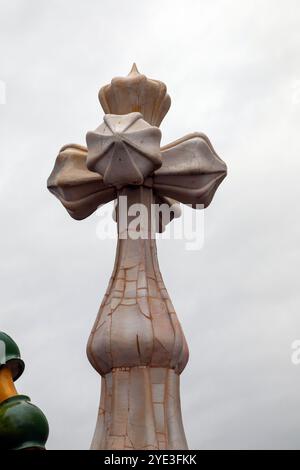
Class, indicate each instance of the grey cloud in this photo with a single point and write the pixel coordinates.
(230, 69)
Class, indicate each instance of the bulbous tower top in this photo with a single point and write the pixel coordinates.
(136, 93)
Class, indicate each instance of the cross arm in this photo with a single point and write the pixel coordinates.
(191, 170)
(79, 190)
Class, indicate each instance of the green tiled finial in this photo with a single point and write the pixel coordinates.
(22, 424)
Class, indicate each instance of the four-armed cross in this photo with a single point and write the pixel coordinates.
(137, 344)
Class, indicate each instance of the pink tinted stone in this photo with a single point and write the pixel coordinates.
(137, 343)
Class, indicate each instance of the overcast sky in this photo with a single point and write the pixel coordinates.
(233, 71)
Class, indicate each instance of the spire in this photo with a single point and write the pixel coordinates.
(134, 70)
(136, 93)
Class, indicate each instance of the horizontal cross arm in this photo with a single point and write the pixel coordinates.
(191, 171)
(80, 190)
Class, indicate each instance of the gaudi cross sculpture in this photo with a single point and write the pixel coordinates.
(137, 344)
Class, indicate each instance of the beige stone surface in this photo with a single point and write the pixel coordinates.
(145, 330)
(79, 190)
(124, 149)
(191, 170)
(136, 92)
(144, 337)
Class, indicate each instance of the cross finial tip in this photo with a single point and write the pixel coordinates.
(134, 69)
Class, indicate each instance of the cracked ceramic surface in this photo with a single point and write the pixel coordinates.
(140, 409)
(138, 347)
(137, 344)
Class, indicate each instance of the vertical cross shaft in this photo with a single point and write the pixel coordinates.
(138, 347)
